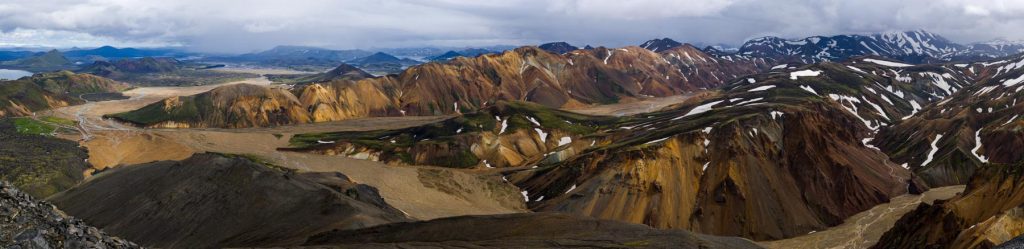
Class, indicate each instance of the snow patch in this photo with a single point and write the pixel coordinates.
(935, 149)
(699, 109)
(809, 89)
(564, 141)
(804, 73)
(761, 88)
(977, 146)
(888, 63)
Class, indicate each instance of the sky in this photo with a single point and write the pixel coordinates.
(237, 26)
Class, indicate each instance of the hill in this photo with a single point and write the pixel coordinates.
(216, 201)
(49, 90)
(31, 223)
(161, 71)
(40, 62)
(950, 139)
(342, 72)
(531, 230)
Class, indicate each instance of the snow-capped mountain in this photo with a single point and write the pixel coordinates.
(911, 46)
(989, 50)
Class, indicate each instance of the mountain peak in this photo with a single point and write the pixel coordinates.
(451, 54)
(558, 47)
(662, 44)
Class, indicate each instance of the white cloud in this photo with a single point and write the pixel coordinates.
(241, 26)
(638, 9)
(63, 39)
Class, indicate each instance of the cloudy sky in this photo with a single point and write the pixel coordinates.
(247, 25)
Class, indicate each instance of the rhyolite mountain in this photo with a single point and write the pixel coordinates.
(662, 44)
(989, 212)
(44, 91)
(231, 106)
(578, 78)
(558, 47)
(216, 201)
(948, 140)
(759, 159)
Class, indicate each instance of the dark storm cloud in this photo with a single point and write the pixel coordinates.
(240, 26)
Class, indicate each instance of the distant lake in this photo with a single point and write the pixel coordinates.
(8, 74)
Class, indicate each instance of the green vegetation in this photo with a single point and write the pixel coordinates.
(39, 165)
(189, 108)
(447, 143)
(59, 121)
(32, 126)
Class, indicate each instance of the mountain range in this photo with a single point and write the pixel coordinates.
(778, 140)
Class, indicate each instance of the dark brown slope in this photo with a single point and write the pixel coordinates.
(762, 159)
(577, 78)
(213, 201)
(40, 165)
(947, 141)
(530, 230)
(988, 213)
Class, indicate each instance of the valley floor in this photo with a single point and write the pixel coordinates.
(864, 229)
(415, 190)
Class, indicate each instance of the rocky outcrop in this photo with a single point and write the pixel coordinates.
(578, 78)
(988, 213)
(215, 201)
(26, 222)
(528, 230)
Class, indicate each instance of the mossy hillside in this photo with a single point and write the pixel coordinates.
(516, 115)
(32, 126)
(39, 165)
(189, 109)
(454, 136)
